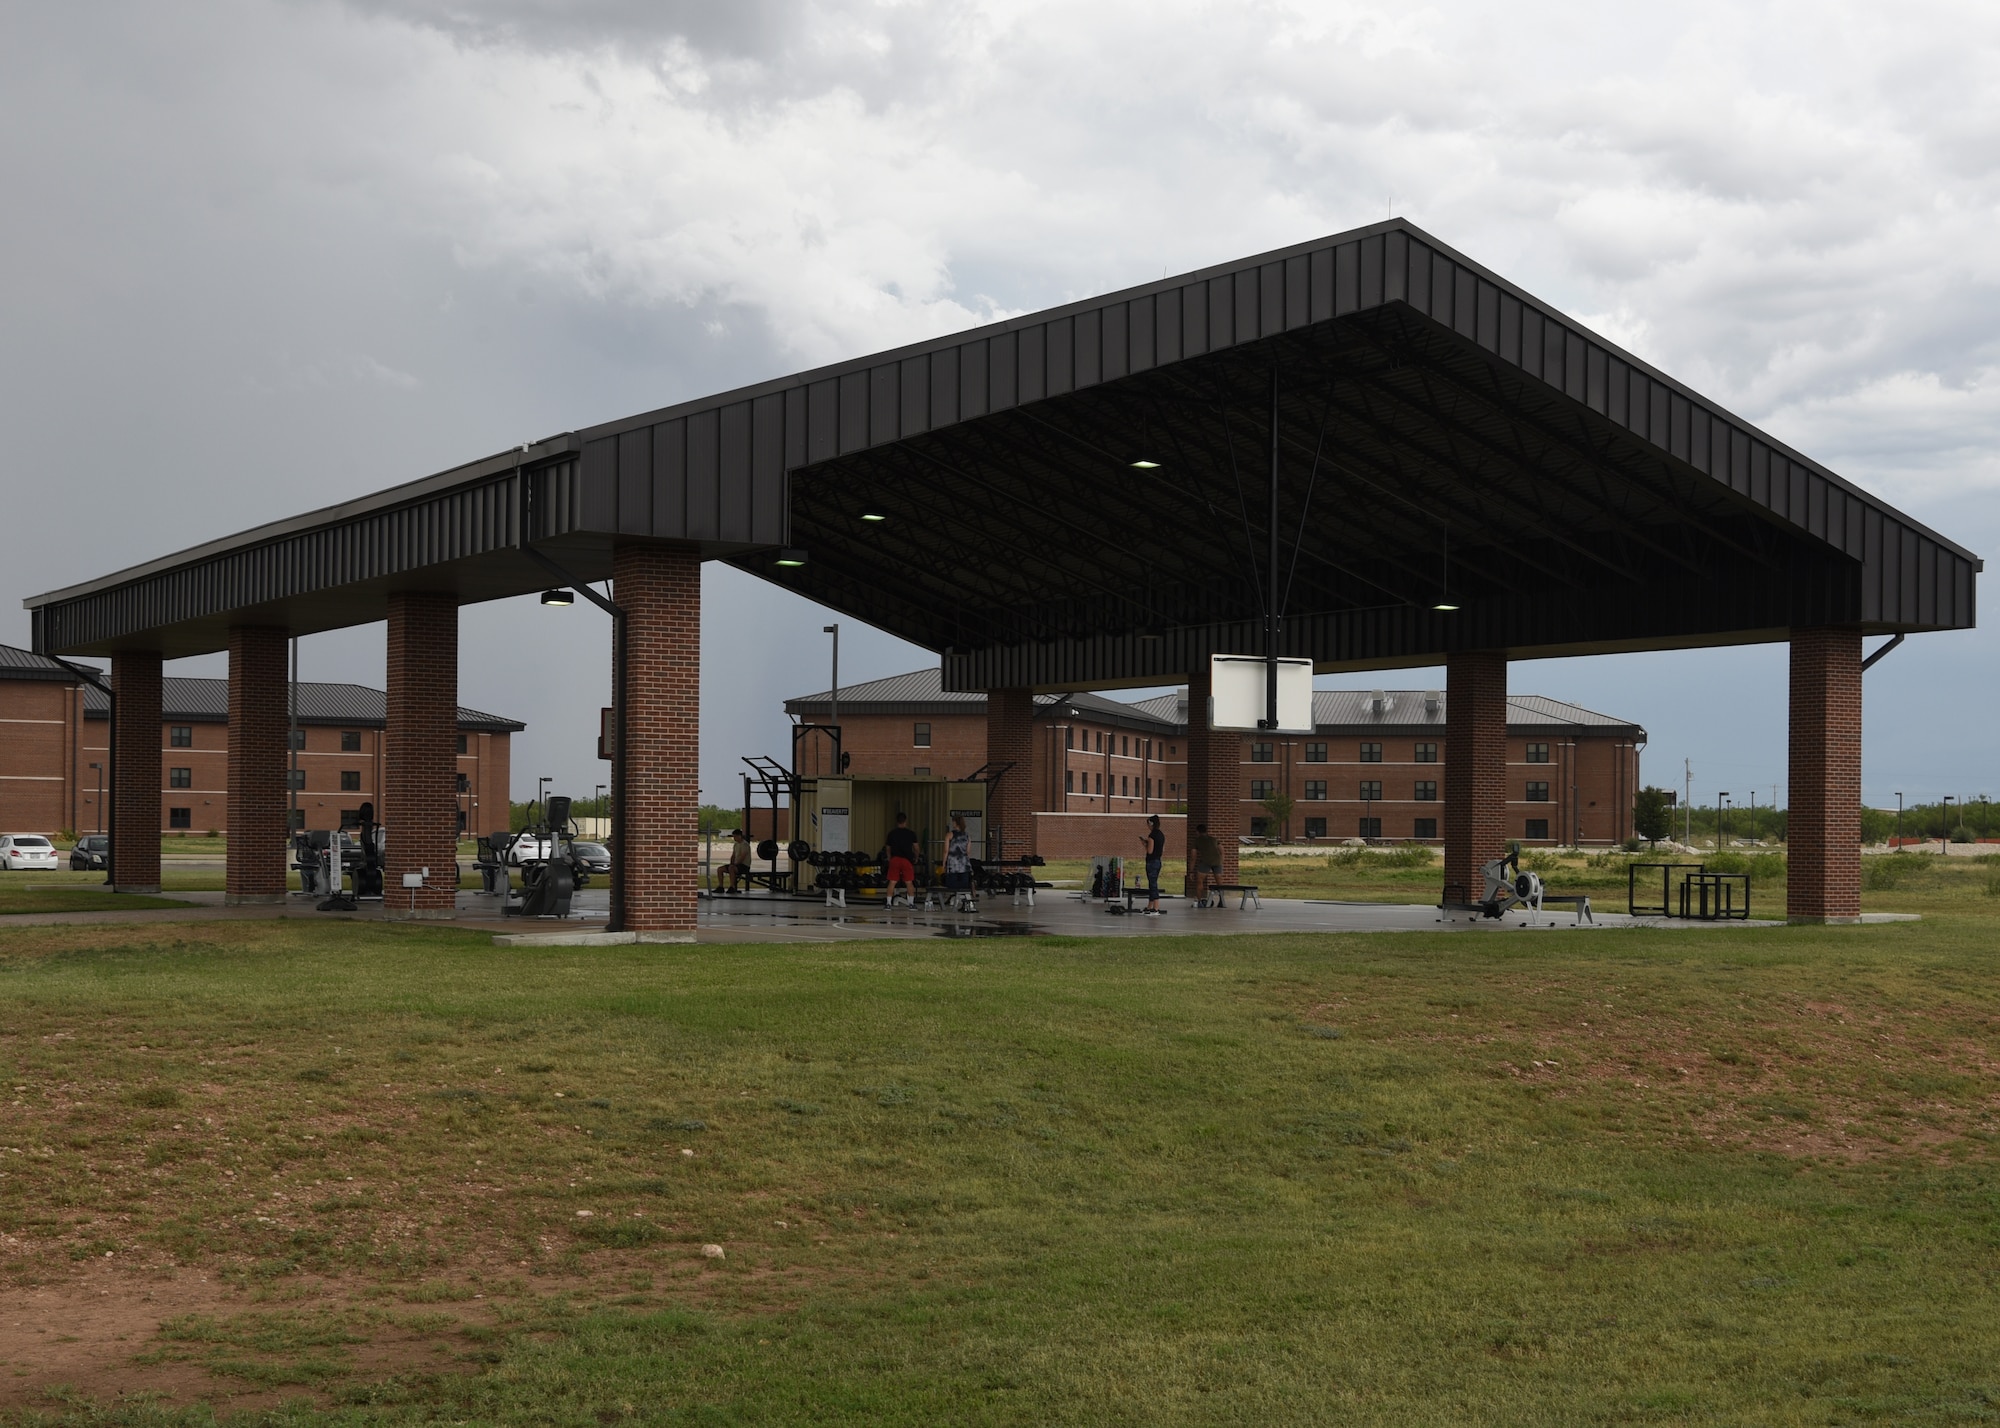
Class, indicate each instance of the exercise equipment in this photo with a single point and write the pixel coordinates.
(550, 879)
(490, 862)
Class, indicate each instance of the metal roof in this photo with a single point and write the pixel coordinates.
(1439, 433)
(206, 701)
(26, 664)
(921, 691)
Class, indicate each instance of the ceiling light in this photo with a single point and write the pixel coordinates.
(873, 516)
(791, 556)
(1144, 463)
(1443, 605)
(558, 597)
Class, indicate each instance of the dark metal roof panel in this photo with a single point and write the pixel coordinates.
(26, 664)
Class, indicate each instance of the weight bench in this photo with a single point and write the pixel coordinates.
(1246, 894)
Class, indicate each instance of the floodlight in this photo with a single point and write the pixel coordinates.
(558, 597)
(791, 556)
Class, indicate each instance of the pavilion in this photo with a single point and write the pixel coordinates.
(1365, 450)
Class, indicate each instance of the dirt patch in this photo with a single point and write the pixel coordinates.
(110, 1332)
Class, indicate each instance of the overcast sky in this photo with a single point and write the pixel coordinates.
(256, 257)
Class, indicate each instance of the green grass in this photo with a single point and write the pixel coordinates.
(1691, 1176)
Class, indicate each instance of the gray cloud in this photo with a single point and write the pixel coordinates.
(260, 255)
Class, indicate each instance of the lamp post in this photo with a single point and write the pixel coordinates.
(1721, 804)
(1944, 824)
(1899, 820)
(100, 796)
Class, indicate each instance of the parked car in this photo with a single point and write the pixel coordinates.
(595, 857)
(90, 853)
(527, 848)
(21, 851)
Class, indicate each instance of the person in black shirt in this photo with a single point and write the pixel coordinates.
(1156, 848)
(902, 841)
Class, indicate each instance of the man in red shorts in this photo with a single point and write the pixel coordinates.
(902, 842)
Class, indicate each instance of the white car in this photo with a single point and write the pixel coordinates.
(21, 851)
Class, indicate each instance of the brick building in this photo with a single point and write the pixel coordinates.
(1372, 767)
(56, 728)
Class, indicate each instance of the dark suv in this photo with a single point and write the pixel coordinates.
(89, 853)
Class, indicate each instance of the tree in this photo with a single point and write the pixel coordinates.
(1279, 806)
(1652, 817)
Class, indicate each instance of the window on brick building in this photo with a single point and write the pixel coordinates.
(1069, 738)
(1427, 753)
(1263, 753)
(350, 817)
(1315, 828)
(464, 784)
(1126, 745)
(180, 736)
(1315, 790)
(920, 735)
(1536, 828)
(463, 745)
(1370, 827)
(350, 741)
(1424, 828)
(461, 820)
(1100, 741)
(295, 738)
(180, 818)
(1149, 748)
(1371, 789)
(1173, 751)
(922, 772)
(295, 819)
(1538, 792)
(1260, 827)
(350, 780)
(1538, 753)
(1371, 753)
(295, 778)
(1427, 790)
(1260, 788)
(1100, 783)
(1069, 780)
(180, 778)
(1315, 753)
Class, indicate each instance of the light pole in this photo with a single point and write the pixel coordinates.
(1944, 824)
(1721, 803)
(1899, 820)
(100, 796)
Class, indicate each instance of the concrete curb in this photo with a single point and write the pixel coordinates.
(586, 939)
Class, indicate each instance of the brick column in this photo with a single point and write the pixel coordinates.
(659, 589)
(1823, 824)
(257, 795)
(1010, 739)
(135, 789)
(1475, 766)
(419, 810)
(1214, 776)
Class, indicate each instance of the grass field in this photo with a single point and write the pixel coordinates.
(341, 1173)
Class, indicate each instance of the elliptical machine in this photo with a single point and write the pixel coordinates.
(549, 881)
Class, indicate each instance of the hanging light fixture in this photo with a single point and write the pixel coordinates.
(1445, 602)
(558, 597)
(791, 556)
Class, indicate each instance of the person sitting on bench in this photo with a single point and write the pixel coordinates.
(902, 841)
(1206, 854)
(738, 866)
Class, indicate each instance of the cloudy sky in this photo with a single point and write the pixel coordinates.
(258, 256)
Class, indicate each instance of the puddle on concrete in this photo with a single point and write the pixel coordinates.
(1003, 929)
